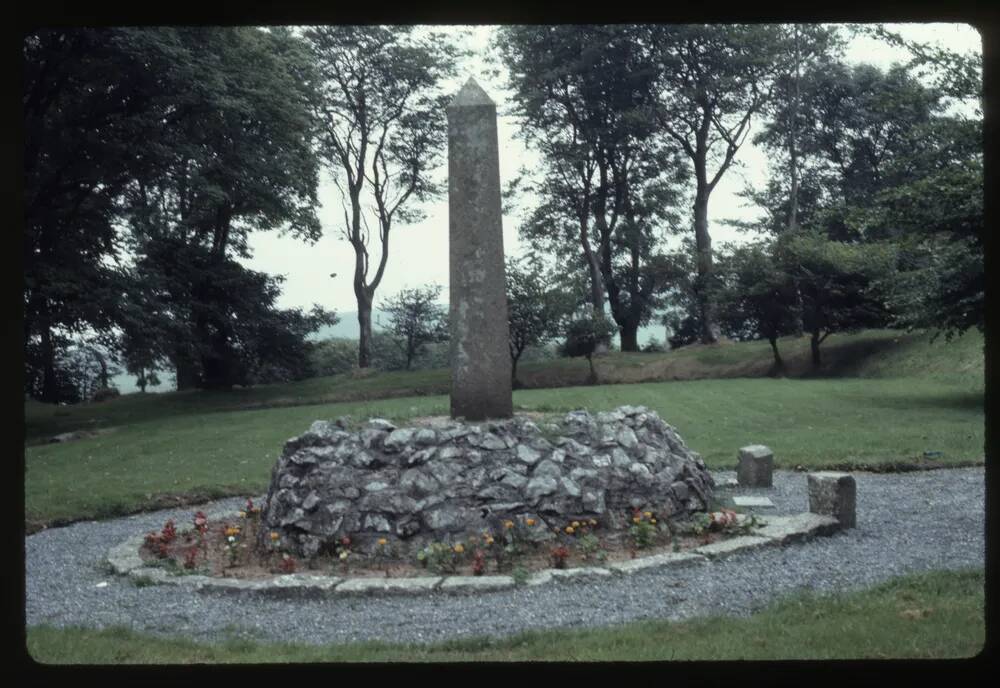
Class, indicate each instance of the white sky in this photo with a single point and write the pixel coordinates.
(419, 252)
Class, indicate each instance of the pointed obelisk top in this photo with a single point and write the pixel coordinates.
(470, 95)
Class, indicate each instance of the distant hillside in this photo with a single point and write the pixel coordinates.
(346, 328)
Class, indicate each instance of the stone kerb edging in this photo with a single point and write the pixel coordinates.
(124, 559)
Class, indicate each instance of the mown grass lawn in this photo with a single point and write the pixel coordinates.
(808, 422)
(933, 615)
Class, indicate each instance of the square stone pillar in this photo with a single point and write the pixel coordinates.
(480, 356)
(833, 494)
(755, 467)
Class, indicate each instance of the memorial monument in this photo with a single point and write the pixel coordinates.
(480, 359)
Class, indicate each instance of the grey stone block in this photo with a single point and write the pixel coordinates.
(833, 494)
(755, 467)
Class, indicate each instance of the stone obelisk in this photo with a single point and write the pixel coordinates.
(480, 358)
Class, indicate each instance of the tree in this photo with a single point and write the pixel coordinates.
(610, 184)
(87, 100)
(536, 309)
(416, 319)
(381, 130)
(240, 160)
(839, 283)
(583, 336)
(188, 290)
(711, 81)
(759, 299)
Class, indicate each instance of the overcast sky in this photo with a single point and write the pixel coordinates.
(419, 252)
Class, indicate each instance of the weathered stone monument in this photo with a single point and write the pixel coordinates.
(480, 360)
(412, 485)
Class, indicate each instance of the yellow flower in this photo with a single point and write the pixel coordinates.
(649, 514)
(508, 524)
(652, 520)
(530, 521)
(489, 539)
(382, 541)
(636, 519)
(576, 524)
(569, 530)
(459, 548)
(274, 536)
(593, 521)
(243, 514)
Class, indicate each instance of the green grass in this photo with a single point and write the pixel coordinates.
(932, 615)
(870, 354)
(904, 396)
(813, 423)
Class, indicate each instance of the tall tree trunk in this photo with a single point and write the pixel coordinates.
(706, 305)
(50, 388)
(218, 366)
(104, 371)
(365, 326)
(793, 211)
(779, 365)
(629, 333)
(513, 372)
(596, 281)
(814, 342)
(186, 371)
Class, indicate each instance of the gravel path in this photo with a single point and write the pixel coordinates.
(907, 523)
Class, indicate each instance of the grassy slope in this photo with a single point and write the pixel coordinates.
(189, 445)
(875, 353)
(934, 615)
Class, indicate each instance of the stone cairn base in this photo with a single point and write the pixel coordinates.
(412, 485)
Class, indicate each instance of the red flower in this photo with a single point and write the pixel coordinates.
(189, 557)
(200, 522)
(345, 541)
(478, 563)
(559, 555)
(169, 532)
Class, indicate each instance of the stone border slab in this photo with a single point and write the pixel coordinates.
(737, 544)
(472, 584)
(399, 586)
(786, 529)
(124, 559)
(656, 561)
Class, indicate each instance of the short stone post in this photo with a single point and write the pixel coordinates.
(755, 467)
(480, 357)
(833, 494)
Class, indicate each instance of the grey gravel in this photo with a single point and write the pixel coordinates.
(907, 523)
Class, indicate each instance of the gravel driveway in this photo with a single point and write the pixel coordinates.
(907, 523)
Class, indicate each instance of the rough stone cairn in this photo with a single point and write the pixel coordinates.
(412, 485)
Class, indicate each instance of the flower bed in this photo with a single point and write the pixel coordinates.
(237, 548)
